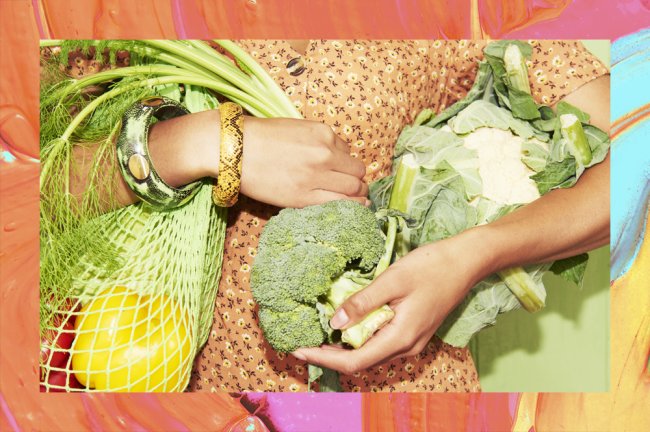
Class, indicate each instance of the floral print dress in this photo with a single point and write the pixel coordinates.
(367, 91)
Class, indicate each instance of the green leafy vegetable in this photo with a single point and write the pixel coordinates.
(479, 160)
(85, 244)
(309, 262)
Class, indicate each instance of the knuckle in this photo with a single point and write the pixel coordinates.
(324, 132)
(355, 188)
(361, 168)
(364, 189)
(301, 183)
(359, 302)
(324, 155)
(403, 345)
(411, 353)
(418, 347)
(408, 341)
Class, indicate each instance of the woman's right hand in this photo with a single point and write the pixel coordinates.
(296, 163)
(286, 162)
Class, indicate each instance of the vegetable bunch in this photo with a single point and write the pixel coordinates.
(480, 159)
(85, 250)
(309, 262)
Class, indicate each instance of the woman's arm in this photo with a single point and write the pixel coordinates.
(424, 286)
(286, 162)
(564, 222)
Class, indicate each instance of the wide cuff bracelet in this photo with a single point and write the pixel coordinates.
(133, 154)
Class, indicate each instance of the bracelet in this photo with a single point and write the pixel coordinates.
(226, 188)
(133, 154)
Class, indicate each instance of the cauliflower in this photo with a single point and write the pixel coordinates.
(480, 159)
(506, 179)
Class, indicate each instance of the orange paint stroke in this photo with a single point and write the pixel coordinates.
(451, 412)
(625, 406)
(628, 121)
(256, 19)
(499, 17)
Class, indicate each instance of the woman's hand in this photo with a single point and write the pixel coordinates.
(286, 162)
(422, 289)
(295, 163)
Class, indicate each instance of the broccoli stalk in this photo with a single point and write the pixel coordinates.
(353, 281)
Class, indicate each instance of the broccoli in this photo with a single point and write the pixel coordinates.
(309, 262)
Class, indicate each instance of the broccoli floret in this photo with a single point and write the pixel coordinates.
(312, 267)
(346, 226)
(288, 331)
(308, 262)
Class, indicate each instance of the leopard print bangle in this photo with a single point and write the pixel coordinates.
(133, 154)
(226, 188)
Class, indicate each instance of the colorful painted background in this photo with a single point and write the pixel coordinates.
(624, 407)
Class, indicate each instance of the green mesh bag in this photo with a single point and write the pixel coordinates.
(139, 304)
(139, 327)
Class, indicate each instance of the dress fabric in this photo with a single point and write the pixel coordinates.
(367, 91)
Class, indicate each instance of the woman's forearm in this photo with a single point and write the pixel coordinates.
(182, 150)
(564, 222)
(286, 162)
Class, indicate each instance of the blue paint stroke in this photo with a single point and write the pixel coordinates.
(630, 172)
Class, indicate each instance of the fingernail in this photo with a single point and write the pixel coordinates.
(339, 320)
(368, 202)
(299, 355)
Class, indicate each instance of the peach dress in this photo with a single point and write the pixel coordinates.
(367, 91)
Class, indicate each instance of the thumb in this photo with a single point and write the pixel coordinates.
(380, 292)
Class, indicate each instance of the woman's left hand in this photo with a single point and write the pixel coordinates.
(422, 288)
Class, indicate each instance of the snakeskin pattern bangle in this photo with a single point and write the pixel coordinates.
(226, 188)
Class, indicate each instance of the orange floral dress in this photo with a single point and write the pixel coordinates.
(367, 91)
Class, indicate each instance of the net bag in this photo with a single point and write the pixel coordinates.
(127, 297)
(138, 328)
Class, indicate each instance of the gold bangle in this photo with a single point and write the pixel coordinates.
(226, 188)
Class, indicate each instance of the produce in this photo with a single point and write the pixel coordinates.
(128, 342)
(309, 262)
(482, 158)
(86, 247)
(56, 340)
(55, 344)
(59, 381)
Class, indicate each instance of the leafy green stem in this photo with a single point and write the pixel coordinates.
(522, 285)
(391, 234)
(261, 74)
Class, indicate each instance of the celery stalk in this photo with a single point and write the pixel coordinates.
(575, 138)
(522, 285)
(516, 69)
